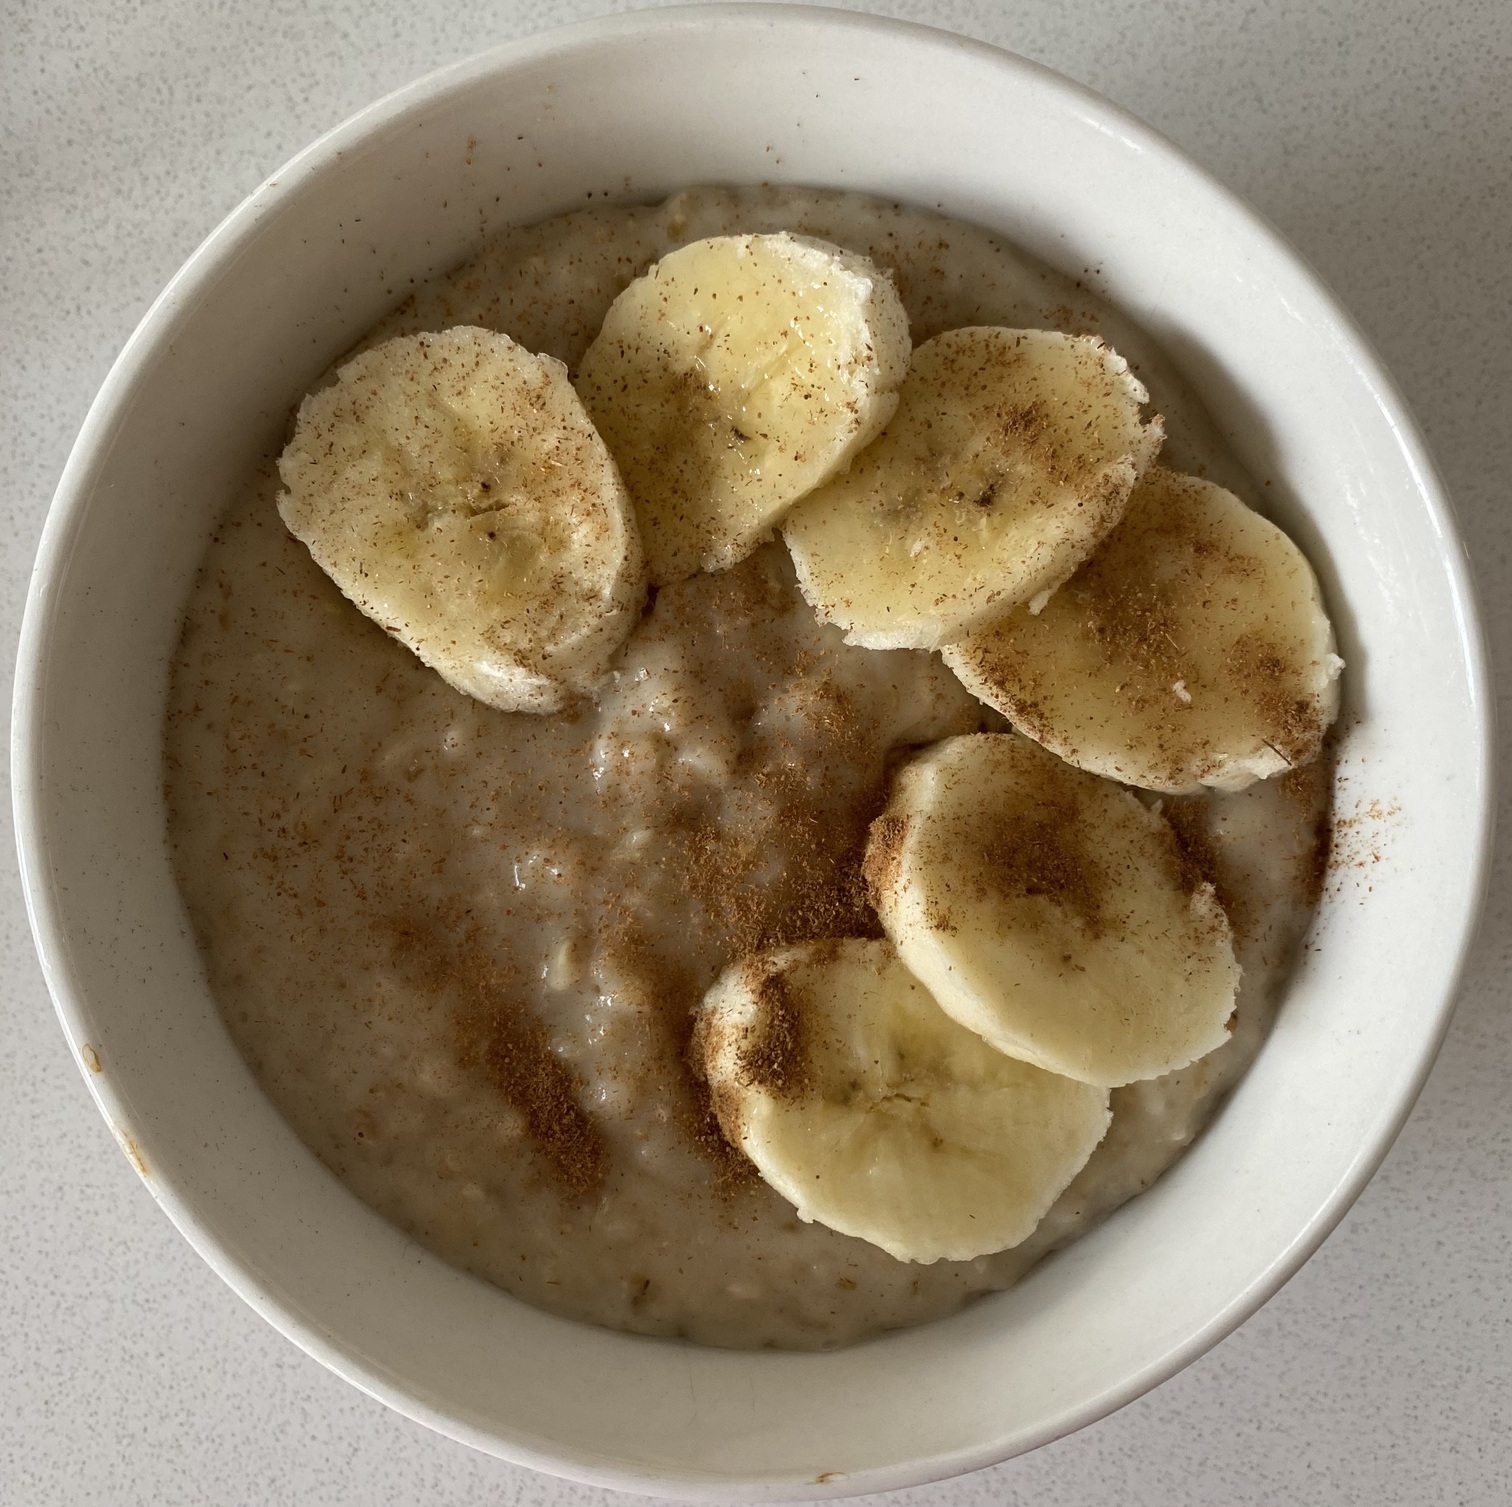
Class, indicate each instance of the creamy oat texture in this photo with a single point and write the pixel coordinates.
(460, 948)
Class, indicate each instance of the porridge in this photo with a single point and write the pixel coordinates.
(463, 949)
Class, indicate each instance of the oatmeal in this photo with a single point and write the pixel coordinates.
(462, 948)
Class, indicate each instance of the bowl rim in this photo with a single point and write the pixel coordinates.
(64, 522)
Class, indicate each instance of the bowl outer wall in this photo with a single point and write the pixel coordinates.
(736, 94)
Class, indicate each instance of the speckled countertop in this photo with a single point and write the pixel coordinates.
(1378, 135)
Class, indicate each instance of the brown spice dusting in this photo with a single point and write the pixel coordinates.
(733, 1171)
(673, 1032)
(775, 1053)
(1307, 790)
(1199, 859)
(1294, 724)
(498, 1036)
(1028, 422)
(1026, 715)
(824, 895)
(1136, 629)
(1040, 851)
(512, 1048)
(1174, 633)
(884, 854)
(821, 789)
(818, 774)
(1357, 841)
(712, 1124)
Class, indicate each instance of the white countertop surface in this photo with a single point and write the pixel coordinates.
(1377, 134)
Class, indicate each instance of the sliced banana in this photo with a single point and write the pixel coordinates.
(1011, 456)
(452, 486)
(871, 1111)
(1051, 912)
(738, 374)
(1192, 649)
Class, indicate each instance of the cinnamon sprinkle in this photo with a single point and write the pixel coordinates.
(1040, 853)
(1199, 859)
(883, 865)
(1307, 789)
(498, 1036)
(775, 1056)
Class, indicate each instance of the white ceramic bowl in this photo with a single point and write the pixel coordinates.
(636, 107)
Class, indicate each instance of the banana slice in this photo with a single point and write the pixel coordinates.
(871, 1111)
(738, 374)
(1011, 456)
(1050, 912)
(1192, 649)
(452, 486)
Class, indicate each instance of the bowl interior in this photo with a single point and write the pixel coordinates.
(635, 108)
